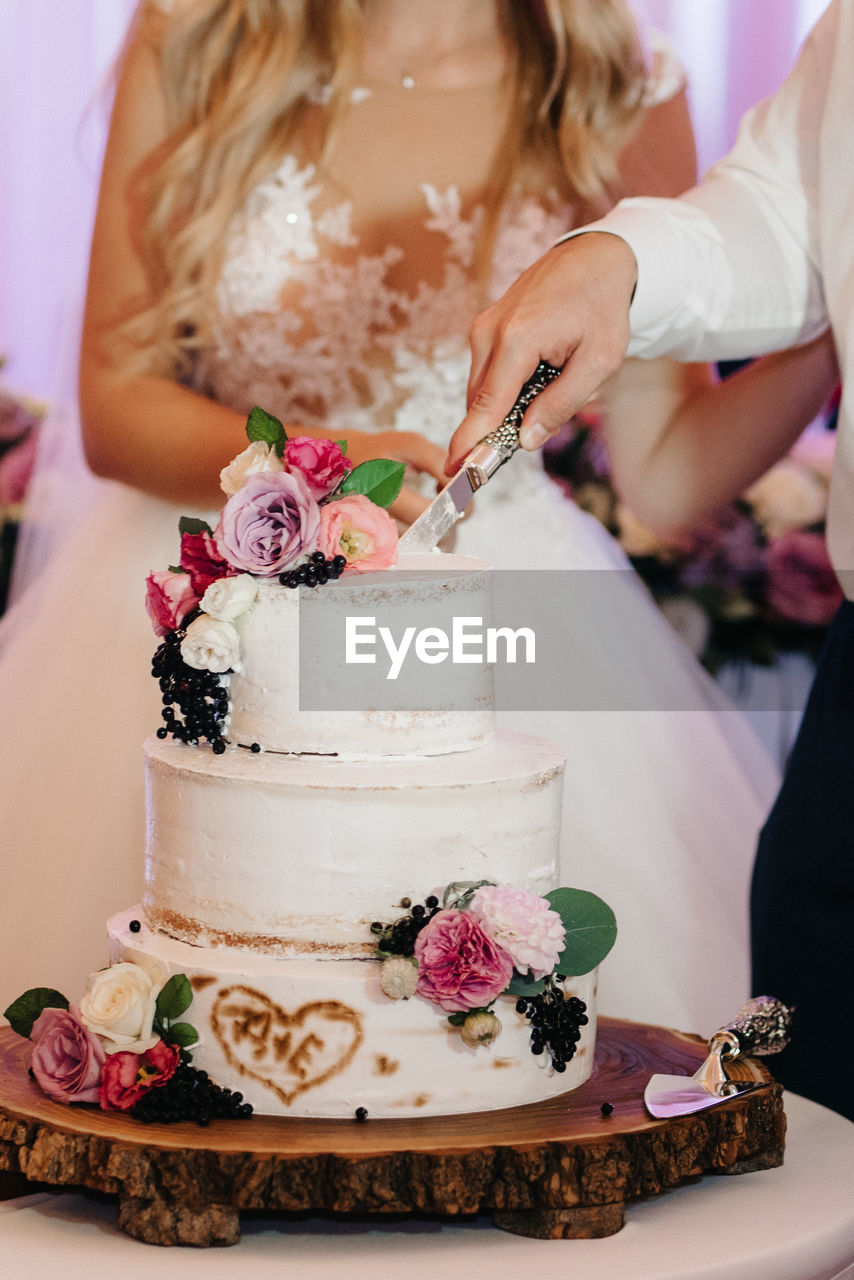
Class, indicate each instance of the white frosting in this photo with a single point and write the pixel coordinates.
(272, 1028)
(265, 691)
(298, 854)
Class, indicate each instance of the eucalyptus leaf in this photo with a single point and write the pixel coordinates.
(192, 524)
(25, 1011)
(380, 479)
(175, 998)
(182, 1034)
(591, 929)
(261, 425)
(522, 984)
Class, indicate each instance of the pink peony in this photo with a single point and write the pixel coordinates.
(169, 597)
(459, 966)
(357, 528)
(523, 925)
(268, 524)
(801, 583)
(320, 463)
(201, 560)
(67, 1059)
(127, 1076)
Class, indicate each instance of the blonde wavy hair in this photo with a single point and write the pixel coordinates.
(236, 75)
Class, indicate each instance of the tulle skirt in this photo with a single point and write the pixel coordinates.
(661, 812)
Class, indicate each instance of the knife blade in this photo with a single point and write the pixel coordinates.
(477, 467)
(760, 1028)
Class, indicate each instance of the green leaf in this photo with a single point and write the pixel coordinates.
(24, 1011)
(175, 998)
(182, 1034)
(261, 425)
(191, 524)
(522, 984)
(342, 445)
(591, 929)
(380, 480)
(457, 1019)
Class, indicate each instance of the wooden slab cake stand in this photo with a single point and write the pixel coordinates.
(556, 1169)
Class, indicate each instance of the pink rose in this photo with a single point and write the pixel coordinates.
(523, 924)
(127, 1076)
(201, 560)
(67, 1059)
(459, 965)
(169, 597)
(801, 583)
(357, 528)
(320, 463)
(268, 524)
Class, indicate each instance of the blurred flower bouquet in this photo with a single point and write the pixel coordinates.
(20, 417)
(753, 582)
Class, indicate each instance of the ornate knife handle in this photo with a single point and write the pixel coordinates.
(498, 447)
(761, 1028)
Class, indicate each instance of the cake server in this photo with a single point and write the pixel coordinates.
(760, 1028)
(477, 467)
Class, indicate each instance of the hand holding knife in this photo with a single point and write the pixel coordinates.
(477, 467)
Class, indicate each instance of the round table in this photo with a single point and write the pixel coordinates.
(791, 1223)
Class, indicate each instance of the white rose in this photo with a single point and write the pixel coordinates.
(227, 598)
(210, 645)
(118, 1005)
(256, 457)
(788, 496)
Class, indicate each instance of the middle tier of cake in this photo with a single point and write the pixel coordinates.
(296, 856)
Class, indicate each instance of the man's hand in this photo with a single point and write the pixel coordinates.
(570, 308)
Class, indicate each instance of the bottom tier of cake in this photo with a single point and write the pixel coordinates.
(319, 1037)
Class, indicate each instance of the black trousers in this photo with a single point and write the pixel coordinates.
(802, 898)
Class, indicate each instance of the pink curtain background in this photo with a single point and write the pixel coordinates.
(55, 57)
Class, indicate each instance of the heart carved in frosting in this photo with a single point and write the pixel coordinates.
(286, 1052)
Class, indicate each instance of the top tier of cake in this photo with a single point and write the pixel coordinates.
(292, 647)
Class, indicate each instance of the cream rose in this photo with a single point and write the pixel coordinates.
(789, 496)
(256, 457)
(210, 645)
(118, 1005)
(228, 598)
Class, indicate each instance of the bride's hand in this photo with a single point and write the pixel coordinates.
(419, 454)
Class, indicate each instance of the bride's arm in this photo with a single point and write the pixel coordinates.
(143, 429)
(676, 458)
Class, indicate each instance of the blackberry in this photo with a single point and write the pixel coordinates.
(190, 1095)
(201, 700)
(555, 1023)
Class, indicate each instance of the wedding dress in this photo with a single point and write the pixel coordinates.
(345, 302)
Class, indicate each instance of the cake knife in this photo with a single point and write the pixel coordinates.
(477, 467)
(760, 1028)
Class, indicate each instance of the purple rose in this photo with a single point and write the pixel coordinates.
(801, 583)
(268, 524)
(320, 463)
(67, 1059)
(459, 965)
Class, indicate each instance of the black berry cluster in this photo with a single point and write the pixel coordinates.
(316, 571)
(200, 698)
(556, 1022)
(190, 1095)
(398, 938)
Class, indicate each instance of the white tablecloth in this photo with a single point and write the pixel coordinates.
(793, 1223)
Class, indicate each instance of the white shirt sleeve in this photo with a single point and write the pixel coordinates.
(731, 268)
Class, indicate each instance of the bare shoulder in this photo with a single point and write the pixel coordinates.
(661, 158)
